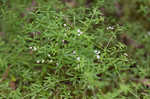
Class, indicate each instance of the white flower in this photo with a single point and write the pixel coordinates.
(110, 28)
(38, 61)
(34, 48)
(98, 57)
(79, 34)
(97, 52)
(57, 64)
(78, 31)
(78, 58)
(125, 54)
(74, 52)
(49, 55)
(63, 41)
(65, 25)
(43, 61)
(30, 47)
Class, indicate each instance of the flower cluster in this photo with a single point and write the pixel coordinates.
(78, 58)
(43, 61)
(33, 48)
(40, 61)
(97, 54)
(79, 32)
(110, 28)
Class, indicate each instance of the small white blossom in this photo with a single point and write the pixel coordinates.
(63, 41)
(79, 34)
(65, 25)
(125, 54)
(78, 31)
(78, 58)
(98, 57)
(110, 28)
(34, 48)
(43, 61)
(49, 55)
(57, 64)
(74, 52)
(38, 61)
(30, 47)
(97, 52)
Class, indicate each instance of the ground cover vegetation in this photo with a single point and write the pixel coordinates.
(74, 49)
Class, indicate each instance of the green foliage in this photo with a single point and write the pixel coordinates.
(71, 53)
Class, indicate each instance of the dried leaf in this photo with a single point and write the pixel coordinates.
(12, 85)
(5, 74)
